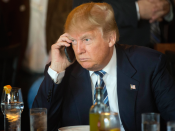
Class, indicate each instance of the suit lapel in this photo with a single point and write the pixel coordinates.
(126, 95)
(81, 92)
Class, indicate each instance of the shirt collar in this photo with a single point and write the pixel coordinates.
(110, 68)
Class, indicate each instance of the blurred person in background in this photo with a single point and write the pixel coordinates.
(46, 24)
(135, 17)
(36, 25)
(48, 19)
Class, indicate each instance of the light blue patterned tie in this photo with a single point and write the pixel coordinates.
(101, 73)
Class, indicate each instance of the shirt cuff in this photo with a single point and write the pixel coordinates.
(56, 77)
(137, 9)
(169, 16)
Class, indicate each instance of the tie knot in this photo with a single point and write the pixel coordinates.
(101, 73)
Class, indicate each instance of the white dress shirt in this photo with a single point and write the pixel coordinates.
(110, 79)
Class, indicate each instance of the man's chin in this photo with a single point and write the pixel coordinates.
(86, 65)
(89, 67)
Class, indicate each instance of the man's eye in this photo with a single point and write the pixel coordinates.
(74, 42)
(87, 39)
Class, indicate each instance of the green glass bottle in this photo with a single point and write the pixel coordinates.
(97, 108)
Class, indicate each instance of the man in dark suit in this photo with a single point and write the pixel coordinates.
(134, 19)
(68, 88)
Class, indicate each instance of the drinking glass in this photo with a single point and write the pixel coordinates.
(171, 126)
(150, 122)
(109, 121)
(12, 117)
(13, 98)
(38, 119)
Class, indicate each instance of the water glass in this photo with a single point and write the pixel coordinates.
(171, 126)
(38, 119)
(12, 98)
(150, 122)
(12, 117)
(109, 121)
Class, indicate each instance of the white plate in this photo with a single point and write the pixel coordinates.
(75, 128)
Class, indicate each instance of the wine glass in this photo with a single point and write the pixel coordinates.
(11, 99)
(109, 121)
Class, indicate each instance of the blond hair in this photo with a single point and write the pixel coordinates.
(92, 15)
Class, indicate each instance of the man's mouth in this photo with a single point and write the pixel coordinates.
(83, 59)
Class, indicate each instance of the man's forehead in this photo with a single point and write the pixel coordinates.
(82, 34)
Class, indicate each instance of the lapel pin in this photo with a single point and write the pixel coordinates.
(133, 87)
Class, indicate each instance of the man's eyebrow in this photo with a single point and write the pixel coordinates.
(70, 38)
(82, 37)
(85, 36)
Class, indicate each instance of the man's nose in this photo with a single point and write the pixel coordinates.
(80, 48)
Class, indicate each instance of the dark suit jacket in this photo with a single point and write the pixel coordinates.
(68, 103)
(132, 31)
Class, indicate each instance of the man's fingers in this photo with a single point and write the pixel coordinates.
(163, 6)
(161, 9)
(159, 19)
(64, 39)
(58, 45)
(157, 16)
(146, 9)
(59, 60)
(152, 1)
(153, 20)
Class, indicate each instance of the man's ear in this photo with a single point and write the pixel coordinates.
(112, 38)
